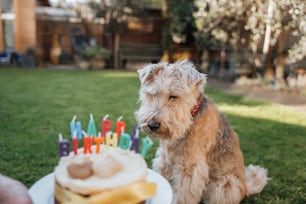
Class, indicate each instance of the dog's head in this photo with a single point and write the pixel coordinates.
(168, 94)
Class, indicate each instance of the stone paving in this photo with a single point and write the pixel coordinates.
(261, 93)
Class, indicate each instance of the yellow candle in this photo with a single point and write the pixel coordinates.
(111, 139)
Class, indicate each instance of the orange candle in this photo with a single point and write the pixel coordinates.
(98, 140)
(120, 126)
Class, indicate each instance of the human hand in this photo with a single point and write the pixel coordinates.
(13, 191)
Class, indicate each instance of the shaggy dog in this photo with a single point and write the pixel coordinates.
(199, 153)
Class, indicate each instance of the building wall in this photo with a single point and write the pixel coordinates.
(144, 31)
(1, 32)
(25, 25)
(47, 28)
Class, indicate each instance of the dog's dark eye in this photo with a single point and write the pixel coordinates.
(172, 97)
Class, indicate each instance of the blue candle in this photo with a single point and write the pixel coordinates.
(79, 130)
(72, 126)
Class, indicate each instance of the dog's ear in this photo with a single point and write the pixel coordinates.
(147, 73)
(194, 77)
(142, 73)
(202, 80)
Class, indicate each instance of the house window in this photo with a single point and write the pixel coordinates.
(6, 6)
(7, 17)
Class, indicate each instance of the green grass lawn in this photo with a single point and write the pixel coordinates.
(36, 105)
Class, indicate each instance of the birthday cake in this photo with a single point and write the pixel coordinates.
(113, 175)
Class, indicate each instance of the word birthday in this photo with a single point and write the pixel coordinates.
(119, 138)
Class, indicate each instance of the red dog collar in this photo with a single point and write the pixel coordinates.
(196, 108)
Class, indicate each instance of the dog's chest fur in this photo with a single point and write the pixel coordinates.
(209, 139)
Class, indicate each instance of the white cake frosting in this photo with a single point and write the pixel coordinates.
(134, 169)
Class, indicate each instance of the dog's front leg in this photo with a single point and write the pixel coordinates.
(160, 163)
(191, 180)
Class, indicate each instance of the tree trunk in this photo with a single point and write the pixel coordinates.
(269, 65)
(255, 63)
(116, 51)
(267, 49)
(280, 62)
(222, 71)
(166, 37)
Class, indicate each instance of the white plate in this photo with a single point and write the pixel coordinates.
(42, 192)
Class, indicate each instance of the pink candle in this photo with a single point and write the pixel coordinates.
(87, 143)
(75, 143)
(106, 126)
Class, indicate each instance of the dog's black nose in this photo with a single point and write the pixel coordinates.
(154, 125)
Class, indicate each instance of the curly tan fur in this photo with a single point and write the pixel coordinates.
(199, 155)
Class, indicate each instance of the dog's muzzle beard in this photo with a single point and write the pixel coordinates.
(156, 129)
(154, 125)
(164, 130)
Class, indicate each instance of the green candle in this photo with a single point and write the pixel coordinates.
(146, 144)
(125, 140)
(91, 130)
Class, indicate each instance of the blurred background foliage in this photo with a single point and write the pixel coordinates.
(270, 33)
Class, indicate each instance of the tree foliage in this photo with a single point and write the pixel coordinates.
(115, 13)
(244, 24)
(182, 23)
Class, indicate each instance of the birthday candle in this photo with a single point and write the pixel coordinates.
(146, 144)
(135, 140)
(79, 129)
(75, 143)
(98, 140)
(63, 146)
(72, 126)
(111, 139)
(120, 126)
(106, 126)
(125, 140)
(87, 143)
(91, 130)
